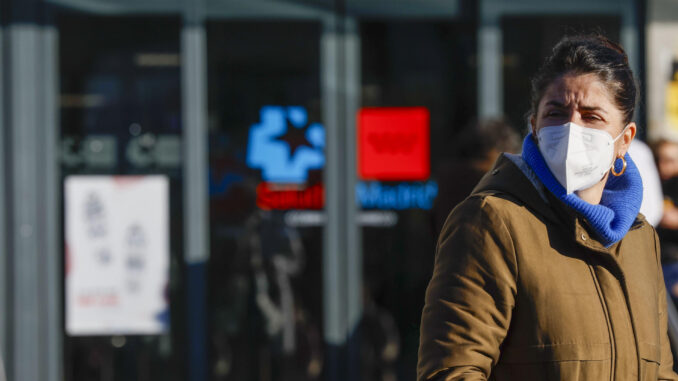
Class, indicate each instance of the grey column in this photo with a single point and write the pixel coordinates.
(490, 75)
(25, 327)
(354, 264)
(51, 195)
(629, 35)
(354, 255)
(4, 252)
(23, 58)
(194, 110)
(196, 223)
(34, 349)
(342, 244)
(334, 243)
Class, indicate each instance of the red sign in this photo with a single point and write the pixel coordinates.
(394, 144)
(270, 196)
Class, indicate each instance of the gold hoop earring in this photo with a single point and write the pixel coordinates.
(617, 174)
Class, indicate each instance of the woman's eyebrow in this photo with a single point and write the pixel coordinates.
(592, 108)
(558, 104)
(555, 103)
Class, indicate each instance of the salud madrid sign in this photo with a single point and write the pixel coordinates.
(393, 146)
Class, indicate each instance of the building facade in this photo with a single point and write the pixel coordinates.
(294, 248)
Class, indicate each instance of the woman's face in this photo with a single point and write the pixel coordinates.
(584, 100)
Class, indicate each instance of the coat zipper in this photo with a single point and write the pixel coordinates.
(625, 291)
(603, 303)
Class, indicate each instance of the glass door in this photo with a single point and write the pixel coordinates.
(266, 156)
(418, 90)
(120, 117)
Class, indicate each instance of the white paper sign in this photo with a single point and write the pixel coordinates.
(116, 255)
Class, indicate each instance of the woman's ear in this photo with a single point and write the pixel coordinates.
(532, 125)
(628, 135)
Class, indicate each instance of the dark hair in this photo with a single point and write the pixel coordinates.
(589, 54)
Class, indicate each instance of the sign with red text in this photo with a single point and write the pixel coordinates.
(116, 254)
(394, 144)
(271, 196)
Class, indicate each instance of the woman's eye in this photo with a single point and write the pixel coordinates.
(553, 113)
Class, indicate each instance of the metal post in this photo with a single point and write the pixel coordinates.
(629, 35)
(342, 255)
(30, 265)
(490, 75)
(23, 46)
(334, 268)
(34, 351)
(4, 252)
(50, 210)
(194, 109)
(354, 260)
(22, 166)
(196, 229)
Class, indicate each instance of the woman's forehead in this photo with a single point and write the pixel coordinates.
(584, 90)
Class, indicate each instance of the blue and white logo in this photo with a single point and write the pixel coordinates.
(284, 146)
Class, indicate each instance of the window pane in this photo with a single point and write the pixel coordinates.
(426, 64)
(120, 115)
(266, 158)
(527, 40)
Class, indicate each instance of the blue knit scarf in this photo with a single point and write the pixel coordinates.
(618, 207)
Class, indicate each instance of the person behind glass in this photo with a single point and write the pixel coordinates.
(477, 147)
(666, 156)
(547, 271)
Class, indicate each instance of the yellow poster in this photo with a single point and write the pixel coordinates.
(672, 102)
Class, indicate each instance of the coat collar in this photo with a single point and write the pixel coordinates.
(506, 178)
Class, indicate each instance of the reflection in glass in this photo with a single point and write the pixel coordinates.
(120, 114)
(266, 158)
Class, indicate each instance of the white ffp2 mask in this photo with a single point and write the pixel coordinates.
(577, 156)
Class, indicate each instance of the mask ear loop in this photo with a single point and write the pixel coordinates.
(617, 174)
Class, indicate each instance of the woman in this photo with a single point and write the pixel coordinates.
(547, 271)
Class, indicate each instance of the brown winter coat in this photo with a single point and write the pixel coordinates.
(522, 291)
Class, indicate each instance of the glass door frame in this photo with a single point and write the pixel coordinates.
(490, 78)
